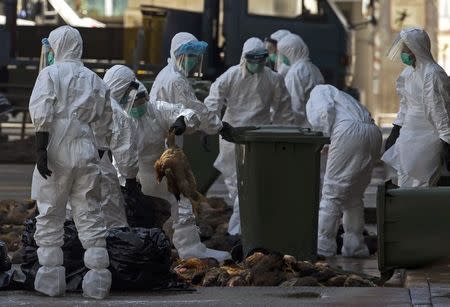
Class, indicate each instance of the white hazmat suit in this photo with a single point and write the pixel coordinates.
(354, 149)
(123, 146)
(424, 92)
(302, 76)
(248, 99)
(66, 99)
(279, 66)
(171, 85)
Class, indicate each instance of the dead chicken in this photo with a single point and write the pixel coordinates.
(15, 213)
(193, 270)
(174, 165)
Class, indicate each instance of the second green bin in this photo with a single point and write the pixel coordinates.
(278, 172)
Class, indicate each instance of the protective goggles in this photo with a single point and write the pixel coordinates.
(256, 56)
(129, 97)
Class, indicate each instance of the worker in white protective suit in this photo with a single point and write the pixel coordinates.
(67, 99)
(302, 76)
(354, 149)
(248, 90)
(122, 146)
(423, 121)
(172, 85)
(274, 61)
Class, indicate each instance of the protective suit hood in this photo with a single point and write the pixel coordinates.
(418, 41)
(118, 78)
(294, 48)
(322, 103)
(66, 43)
(177, 41)
(279, 34)
(250, 44)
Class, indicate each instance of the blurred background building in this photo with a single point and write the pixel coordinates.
(142, 26)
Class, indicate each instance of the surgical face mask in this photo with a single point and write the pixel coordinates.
(50, 58)
(254, 68)
(138, 111)
(190, 62)
(272, 58)
(407, 58)
(284, 59)
(140, 105)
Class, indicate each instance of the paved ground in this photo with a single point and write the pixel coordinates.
(15, 181)
(242, 296)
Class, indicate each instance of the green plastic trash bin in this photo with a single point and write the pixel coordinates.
(201, 161)
(278, 172)
(413, 226)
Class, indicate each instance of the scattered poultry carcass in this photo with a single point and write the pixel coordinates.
(15, 213)
(174, 165)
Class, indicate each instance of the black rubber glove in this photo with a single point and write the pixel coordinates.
(446, 155)
(205, 142)
(179, 126)
(132, 185)
(395, 132)
(227, 132)
(41, 154)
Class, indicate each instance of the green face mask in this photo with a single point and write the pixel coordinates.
(50, 58)
(254, 68)
(137, 112)
(407, 58)
(190, 63)
(272, 58)
(285, 60)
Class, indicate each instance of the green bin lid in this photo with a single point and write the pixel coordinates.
(289, 134)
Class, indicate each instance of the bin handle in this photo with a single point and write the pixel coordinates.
(301, 129)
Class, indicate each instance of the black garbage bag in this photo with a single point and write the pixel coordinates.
(145, 211)
(5, 262)
(139, 258)
(73, 256)
(30, 263)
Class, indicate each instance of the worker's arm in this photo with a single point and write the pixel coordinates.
(437, 103)
(400, 87)
(123, 144)
(281, 106)
(167, 113)
(103, 125)
(296, 88)
(209, 122)
(42, 101)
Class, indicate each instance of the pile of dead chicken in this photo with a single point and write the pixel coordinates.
(267, 270)
(12, 217)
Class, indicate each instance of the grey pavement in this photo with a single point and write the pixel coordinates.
(237, 296)
(15, 181)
